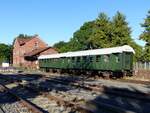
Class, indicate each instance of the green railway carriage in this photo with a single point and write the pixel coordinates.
(100, 61)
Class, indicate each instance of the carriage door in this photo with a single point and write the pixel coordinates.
(128, 60)
(106, 62)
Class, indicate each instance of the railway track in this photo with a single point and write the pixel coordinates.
(102, 88)
(22, 101)
(75, 105)
(99, 88)
(142, 97)
(43, 74)
(1, 110)
(61, 102)
(93, 78)
(82, 108)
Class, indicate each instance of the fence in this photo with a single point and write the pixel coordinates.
(142, 66)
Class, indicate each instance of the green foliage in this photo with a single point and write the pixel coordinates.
(59, 46)
(5, 53)
(80, 40)
(145, 36)
(121, 30)
(101, 33)
(24, 36)
(138, 51)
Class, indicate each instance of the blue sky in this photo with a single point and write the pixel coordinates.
(56, 20)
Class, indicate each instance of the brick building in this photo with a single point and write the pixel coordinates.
(26, 51)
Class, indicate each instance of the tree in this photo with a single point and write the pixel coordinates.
(59, 46)
(5, 53)
(101, 33)
(122, 34)
(121, 30)
(146, 37)
(80, 40)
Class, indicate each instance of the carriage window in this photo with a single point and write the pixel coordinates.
(45, 60)
(69, 59)
(106, 58)
(84, 58)
(40, 61)
(91, 58)
(117, 59)
(73, 59)
(97, 58)
(78, 59)
(63, 60)
(55, 60)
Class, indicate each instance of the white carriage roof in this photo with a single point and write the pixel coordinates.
(119, 49)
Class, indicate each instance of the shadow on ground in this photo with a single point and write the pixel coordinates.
(122, 104)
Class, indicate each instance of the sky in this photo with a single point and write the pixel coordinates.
(57, 20)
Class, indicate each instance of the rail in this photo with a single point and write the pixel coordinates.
(24, 102)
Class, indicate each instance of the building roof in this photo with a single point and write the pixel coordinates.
(22, 41)
(36, 51)
(119, 49)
